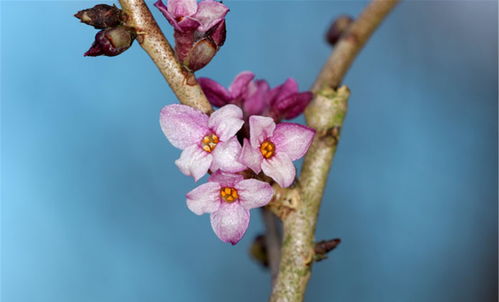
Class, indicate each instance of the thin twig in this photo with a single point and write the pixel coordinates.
(272, 241)
(352, 42)
(152, 40)
(325, 114)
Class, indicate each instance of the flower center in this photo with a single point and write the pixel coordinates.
(228, 194)
(267, 148)
(209, 142)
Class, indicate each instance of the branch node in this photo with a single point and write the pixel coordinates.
(285, 201)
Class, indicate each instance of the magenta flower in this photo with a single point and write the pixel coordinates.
(228, 198)
(208, 143)
(256, 98)
(273, 148)
(286, 102)
(199, 29)
(244, 92)
(188, 15)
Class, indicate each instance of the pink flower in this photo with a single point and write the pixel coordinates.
(228, 198)
(273, 148)
(207, 142)
(249, 94)
(188, 15)
(286, 102)
(199, 29)
(256, 98)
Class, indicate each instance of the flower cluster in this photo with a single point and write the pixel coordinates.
(212, 144)
(256, 97)
(199, 29)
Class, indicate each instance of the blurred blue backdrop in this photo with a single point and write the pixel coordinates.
(93, 206)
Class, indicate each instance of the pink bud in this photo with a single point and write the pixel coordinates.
(200, 54)
(111, 42)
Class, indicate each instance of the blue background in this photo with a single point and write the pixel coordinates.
(93, 206)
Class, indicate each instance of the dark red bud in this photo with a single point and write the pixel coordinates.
(200, 54)
(111, 42)
(218, 34)
(338, 28)
(101, 16)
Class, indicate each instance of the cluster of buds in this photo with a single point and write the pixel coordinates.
(241, 163)
(255, 97)
(114, 37)
(199, 29)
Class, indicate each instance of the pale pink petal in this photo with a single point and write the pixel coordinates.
(292, 139)
(251, 157)
(226, 121)
(182, 8)
(225, 179)
(204, 199)
(209, 13)
(254, 193)
(194, 162)
(215, 93)
(230, 222)
(240, 84)
(280, 168)
(261, 128)
(225, 156)
(182, 125)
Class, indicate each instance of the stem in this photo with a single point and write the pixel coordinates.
(272, 241)
(325, 114)
(182, 82)
(352, 42)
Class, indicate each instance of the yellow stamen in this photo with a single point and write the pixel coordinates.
(229, 194)
(267, 148)
(209, 142)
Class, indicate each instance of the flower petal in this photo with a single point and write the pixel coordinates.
(225, 156)
(216, 93)
(226, 121)
(225, 179)
(292, 139)
(182, 125)
(194, 162)
(240, 84)
(219, 34)
(284, 90)
(204, 199)
(256, 99)
(209, 13)
(291, 106)
(230, 222)
(168, 15)
(254, 193)
(251, 157)
(182, 8)
(280, 168)
(261, 128)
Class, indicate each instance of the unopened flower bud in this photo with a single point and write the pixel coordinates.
(200, 54)
(101, 16)
(338, 28)
(112, 41)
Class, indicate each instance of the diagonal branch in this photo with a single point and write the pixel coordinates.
(325, 114)
(182, 82)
